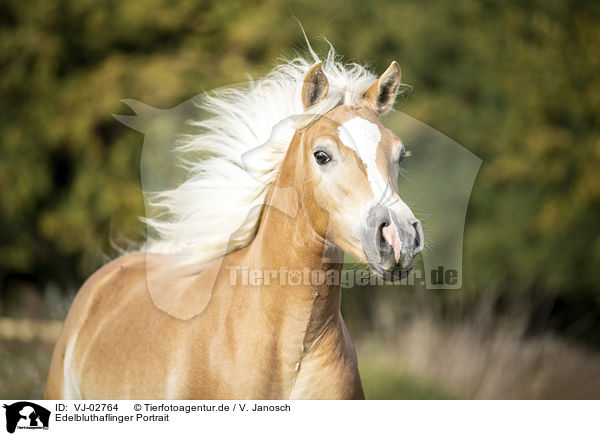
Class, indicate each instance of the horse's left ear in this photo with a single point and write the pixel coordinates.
(382, 94)
(315, 86)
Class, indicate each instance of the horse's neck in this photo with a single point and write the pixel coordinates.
(287, 244)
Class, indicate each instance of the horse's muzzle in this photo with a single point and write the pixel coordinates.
(391, 241)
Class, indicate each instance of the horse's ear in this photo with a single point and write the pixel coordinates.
(315, 86)
(382, 94)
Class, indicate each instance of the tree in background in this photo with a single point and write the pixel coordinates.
(515, 83)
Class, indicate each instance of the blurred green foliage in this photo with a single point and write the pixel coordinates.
(514, 82)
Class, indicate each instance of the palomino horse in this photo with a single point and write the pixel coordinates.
(332, 189)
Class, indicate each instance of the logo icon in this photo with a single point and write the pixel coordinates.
(26, 415)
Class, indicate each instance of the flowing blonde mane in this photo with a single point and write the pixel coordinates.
(216, 209)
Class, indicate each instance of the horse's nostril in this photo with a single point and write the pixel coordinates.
(418, 238)
(381, 227)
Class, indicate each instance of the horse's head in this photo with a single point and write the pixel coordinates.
(351, 188)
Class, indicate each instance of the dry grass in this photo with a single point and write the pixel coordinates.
(27, 330)
(482, 356)
(23, 369)
(414, 350)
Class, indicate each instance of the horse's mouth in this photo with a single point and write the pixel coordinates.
(392, 275)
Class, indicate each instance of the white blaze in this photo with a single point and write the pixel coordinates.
(363, 137)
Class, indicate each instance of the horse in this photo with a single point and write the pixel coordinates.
(323, 172)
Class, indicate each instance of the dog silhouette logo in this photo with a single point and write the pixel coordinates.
(26, 415)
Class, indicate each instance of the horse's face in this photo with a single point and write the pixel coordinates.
(352, 162)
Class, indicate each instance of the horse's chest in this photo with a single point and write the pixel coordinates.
(325, 377)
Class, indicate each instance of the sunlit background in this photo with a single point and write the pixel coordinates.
(515, 83)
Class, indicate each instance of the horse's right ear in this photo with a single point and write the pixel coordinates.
(315, 86)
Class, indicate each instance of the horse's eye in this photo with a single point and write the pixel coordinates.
(403, 154)
(321, 157)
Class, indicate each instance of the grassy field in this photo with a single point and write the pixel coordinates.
(426, 358)
(24, 367)
(382, 381)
